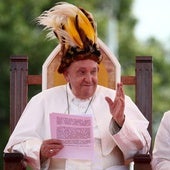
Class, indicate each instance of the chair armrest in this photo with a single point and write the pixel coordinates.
(142, 162)
(14, 161)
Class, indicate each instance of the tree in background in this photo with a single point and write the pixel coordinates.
(20, 35)
(129, 47)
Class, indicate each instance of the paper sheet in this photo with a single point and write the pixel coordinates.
(76, 133)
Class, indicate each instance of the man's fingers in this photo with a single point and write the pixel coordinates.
(108, 100)
(50, 147)
(52, 141)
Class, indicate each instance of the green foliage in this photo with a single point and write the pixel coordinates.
(129, 47)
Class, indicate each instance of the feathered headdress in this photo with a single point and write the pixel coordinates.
(75, 29)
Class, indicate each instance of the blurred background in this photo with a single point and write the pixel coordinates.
(129, 27)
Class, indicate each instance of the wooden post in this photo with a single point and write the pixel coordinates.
(18, 88)
(144, 102)
(142, 162)
(144, 87)
(14, 161)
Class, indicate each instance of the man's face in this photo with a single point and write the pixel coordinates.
(82, 76)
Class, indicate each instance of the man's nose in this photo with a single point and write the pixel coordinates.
(88, 77)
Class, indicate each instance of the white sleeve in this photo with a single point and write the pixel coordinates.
(133, 137)
(29, 147)
(28, 134)
(161, 150)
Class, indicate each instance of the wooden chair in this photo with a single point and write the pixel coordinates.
(109, 72)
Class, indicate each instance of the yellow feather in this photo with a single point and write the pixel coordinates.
(64, 14)
(87, 27)
(72, 31)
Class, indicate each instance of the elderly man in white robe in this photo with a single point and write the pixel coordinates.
(120, 129)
